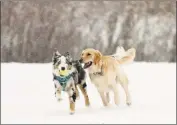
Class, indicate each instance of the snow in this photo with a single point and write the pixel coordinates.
(27, 96)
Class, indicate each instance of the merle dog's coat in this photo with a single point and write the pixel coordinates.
(78, 77)
(81, 74)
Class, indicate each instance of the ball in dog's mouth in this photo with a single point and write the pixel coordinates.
(63, 72)
(87, 65)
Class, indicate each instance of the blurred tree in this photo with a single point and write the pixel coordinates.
(30, 30)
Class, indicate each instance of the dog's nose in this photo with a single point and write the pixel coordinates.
(62, 68)
(81, 60)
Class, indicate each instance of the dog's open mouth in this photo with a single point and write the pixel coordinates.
(87, 65)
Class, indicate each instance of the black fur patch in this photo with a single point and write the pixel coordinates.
(55, 85)
(84, 85)
(55, 88)
(74, 97)
(81, 71)
(55, 58)
(73, 89)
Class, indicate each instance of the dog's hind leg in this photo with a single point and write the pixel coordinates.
(123, 80)
(107, 97)
(84, 92)
(128, 97)
(116, 94)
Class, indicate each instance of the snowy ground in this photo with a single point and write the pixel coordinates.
(27, 96)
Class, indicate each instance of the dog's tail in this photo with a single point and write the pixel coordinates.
(124, 57)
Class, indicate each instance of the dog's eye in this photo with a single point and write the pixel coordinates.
(88, 54)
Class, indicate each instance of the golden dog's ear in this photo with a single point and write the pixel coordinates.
(97, 57)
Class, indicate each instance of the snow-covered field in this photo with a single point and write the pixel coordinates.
(27, 96)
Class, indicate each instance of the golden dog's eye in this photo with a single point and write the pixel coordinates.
(88, 54)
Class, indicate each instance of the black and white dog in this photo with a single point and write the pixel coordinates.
(67, 75)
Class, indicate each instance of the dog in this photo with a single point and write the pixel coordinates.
(67, 75)
(105, 72)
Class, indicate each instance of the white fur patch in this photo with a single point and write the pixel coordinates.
(59, 88)
(58, 96)
(57, 84)
(63, 63)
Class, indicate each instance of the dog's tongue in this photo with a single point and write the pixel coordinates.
(86, 65)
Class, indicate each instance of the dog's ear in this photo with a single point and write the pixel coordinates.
(67, 54)
(97, 57)
(56, 53)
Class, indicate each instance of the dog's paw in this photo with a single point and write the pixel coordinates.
(117, 102)
(59, 99)
(87, 105)
(129, 103)
(105, 104)
(72, 112)
(108, 105)
(58, 96)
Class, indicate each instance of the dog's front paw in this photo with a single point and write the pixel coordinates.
(59, 99)
(129, 103)
(87, 103)
(58, 96)
(117, 102)
(105, 104)
(72, 112)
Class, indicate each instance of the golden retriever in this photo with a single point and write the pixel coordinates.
(105, 72)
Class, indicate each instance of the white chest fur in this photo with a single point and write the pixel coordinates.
(100, 82)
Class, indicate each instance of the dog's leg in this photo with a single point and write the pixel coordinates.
(77, 93)
(58, 89)
(116, 94)
(72, 105)
(128, 97)
(104, 100)
(58, 94)
(72, 100)
(84, 92)
(55, 89)
(107, 97)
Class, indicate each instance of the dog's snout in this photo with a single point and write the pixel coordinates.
(62, 68)
(81, 60)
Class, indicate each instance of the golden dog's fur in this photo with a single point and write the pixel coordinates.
(112, 73)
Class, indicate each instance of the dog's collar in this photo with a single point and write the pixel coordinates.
(63, 80)
(99, 73)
